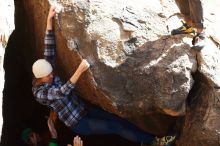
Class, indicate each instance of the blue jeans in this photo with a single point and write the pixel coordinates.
(98, 121)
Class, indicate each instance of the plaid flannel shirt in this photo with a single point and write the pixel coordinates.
(57, 95)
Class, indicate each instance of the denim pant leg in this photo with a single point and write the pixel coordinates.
(98, 121)
(196, 13)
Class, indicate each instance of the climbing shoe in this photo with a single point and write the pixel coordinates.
(164, 141)
(199, 41)
(184, 29)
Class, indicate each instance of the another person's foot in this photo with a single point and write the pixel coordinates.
(164, 141)
(199, 41)
(184, 29)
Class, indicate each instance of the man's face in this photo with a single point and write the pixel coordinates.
(48, 78)
(34, 139)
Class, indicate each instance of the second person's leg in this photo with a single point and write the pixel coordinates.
(184, 8)
(196, 12)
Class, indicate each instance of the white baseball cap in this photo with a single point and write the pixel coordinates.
(41, 68)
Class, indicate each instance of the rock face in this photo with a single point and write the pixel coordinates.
(202, 119)
(6, 27)
(138, 70)
(201, 125)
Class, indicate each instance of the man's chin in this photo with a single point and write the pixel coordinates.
(40, 143)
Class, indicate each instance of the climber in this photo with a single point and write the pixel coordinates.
(192, 11)
(80, 117)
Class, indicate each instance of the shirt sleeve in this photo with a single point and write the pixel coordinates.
(49, 46)
(54, 93)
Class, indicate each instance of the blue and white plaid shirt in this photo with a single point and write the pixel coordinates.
(57, 95)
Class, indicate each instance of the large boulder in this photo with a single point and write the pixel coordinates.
(139, 68)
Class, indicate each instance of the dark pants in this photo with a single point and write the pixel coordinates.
(192, 10)
(98, 121)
